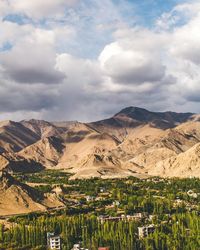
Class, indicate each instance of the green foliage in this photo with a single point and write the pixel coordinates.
(176, 220)
(182, 232)
(46, 176)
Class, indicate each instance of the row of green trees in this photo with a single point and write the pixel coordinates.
(180, 232)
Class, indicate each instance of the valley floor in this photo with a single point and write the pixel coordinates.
(109, 212)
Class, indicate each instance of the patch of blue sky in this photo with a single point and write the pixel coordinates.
(95, 24)
(148, 11)
(19, 19)
(88, 16)
(94, 28)
(6, 46)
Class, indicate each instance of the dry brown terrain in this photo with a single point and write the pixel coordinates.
(18, 198)
(135, 142)
(186, 164)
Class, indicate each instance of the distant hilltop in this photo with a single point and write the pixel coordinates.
(133, 142)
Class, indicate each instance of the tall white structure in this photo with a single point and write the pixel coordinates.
(53, 241)
(145, 231)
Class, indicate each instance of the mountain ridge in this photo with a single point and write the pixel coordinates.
(132, 141)
(17, 197)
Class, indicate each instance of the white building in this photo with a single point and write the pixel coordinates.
(78, 247)
(192, 194)
(53, 241)
(145, 231)
(102, 189)
(116, 203)
(90, 198)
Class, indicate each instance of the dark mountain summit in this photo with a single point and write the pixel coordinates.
(143, 115)
(134, 116)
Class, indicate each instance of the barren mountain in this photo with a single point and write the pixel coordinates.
(46, 152)
(151, 156)
(15, 163)
(131, 142)
(185, 164)
(132, 117)
(14, 136)
(16, 198)
(81, 142)
(43, 128)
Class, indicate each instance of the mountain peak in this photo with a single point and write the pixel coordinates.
(144, 115)
(36, 122)
(7, 123)
(131, 109)
(138, 114)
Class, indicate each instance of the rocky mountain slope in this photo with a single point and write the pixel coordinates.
(186, 164)
(132, 117)
(14, 136)
(46, 152)
(17, 198)
(135, 142)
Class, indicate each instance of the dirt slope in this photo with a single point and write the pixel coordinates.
(17, 198)
(45, 152)
(185, 164)
(133, 141)
(14, 136)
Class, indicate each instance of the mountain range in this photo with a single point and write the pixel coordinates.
(134, 142)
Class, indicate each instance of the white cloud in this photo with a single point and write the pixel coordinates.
(131, 66)
(160, 63)
(12, 32)
(186, 41)
(179, 15)
(4, 9)
(33, 59)
(40, 9)
(79, 70)
(135, 62)
(156, 68)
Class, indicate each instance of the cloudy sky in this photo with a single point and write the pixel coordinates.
(87, 59)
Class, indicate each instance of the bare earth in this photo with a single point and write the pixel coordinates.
(18, 198)
(134, 142)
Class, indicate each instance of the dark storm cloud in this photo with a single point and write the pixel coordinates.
(32, 61)
(140, 75)
(35, 75)
(14, 97)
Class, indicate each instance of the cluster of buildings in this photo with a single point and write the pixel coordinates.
(135, 216)
(143, 231)
(54, 243)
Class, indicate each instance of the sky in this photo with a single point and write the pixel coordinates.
(88, 59)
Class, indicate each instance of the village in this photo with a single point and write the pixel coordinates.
(142, 207)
